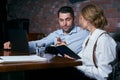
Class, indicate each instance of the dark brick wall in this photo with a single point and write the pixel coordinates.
(43, 13)
(3, 21)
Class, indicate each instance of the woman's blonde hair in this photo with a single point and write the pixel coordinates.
(95, 15)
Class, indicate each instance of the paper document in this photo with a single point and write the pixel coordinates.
(25, 58)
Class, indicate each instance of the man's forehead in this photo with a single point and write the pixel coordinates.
(64, 15)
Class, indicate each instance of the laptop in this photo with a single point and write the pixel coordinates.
(19, 40)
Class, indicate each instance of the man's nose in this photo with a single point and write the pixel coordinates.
(65, 22)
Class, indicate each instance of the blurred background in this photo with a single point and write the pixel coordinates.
(40, 16)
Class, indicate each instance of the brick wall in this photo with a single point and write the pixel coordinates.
(43, 13)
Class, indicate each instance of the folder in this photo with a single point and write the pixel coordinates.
(62, 49)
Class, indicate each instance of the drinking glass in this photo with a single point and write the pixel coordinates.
(40, 49)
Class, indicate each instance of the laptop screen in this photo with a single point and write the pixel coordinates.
(19, 40)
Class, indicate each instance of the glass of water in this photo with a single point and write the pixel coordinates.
(40, 49)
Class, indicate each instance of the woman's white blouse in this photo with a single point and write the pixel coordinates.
(105, 53)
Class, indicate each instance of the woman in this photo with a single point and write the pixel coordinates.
(99, 49)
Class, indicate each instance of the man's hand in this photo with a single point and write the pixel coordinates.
(60, 42)
(7, 45)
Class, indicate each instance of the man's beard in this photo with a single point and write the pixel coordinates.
(69, 29)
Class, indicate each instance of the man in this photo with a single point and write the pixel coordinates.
(69, 34)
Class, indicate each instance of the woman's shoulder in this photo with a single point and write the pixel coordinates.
(106, 38)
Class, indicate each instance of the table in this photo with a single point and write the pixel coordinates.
(54, 62)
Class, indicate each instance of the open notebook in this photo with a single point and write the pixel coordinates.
(62, 50)
(23, 58)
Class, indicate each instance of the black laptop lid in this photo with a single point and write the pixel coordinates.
(19, 40)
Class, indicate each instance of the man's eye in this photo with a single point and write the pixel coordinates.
(60, 20)
(68, 19)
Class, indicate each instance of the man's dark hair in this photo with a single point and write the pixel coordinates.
(66, 9)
